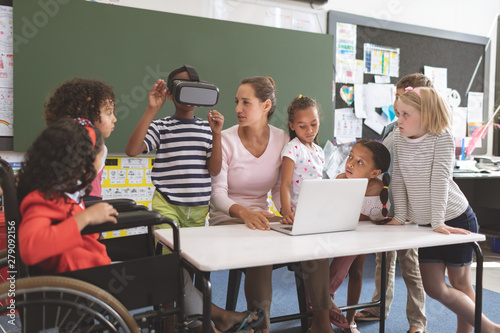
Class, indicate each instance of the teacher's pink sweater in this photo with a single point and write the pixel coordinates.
(245, 179)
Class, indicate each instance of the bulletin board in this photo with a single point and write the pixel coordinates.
(465, 56)
(131, 48)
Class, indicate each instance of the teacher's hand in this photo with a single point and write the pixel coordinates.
(256, 220)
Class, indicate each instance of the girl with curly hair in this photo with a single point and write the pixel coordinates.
(90, 99)
(57, 172)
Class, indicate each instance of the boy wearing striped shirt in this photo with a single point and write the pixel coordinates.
(188, 153)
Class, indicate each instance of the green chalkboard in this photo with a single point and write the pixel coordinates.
(130, 48)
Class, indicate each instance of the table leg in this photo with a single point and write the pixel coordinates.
(479, 286)
(381, 302)
(383, 288)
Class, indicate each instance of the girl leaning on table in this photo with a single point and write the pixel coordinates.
(425, 193)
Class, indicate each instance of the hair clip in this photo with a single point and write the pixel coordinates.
(386, 187)
(87, 124)
(84, 122)
(384, 206)
(300, 96)
(415, 90)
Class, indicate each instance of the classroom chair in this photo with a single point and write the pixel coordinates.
(95, 299)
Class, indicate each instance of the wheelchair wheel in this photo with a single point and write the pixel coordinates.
(61, 304)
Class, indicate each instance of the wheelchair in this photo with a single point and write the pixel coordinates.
(98, 299)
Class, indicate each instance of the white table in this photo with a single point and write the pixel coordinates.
(227, 247)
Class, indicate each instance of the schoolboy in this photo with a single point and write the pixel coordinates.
(188, 153)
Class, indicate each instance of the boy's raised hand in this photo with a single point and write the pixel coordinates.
(158, 95)
(216, 120)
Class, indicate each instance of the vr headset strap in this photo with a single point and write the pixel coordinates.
(193, 75)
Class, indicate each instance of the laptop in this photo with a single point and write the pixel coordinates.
(326, 205)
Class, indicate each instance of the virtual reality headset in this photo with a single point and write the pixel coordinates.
(193, 92)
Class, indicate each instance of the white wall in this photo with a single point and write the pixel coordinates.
(467, 16)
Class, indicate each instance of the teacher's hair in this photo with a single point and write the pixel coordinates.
(265, 89)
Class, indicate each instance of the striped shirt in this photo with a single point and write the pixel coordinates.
(422, 180)
(182, 148)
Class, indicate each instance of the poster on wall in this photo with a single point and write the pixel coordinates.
(6, 78)
(381, 60)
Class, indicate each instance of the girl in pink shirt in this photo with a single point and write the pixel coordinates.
(302, 158)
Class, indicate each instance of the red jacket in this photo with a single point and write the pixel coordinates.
(49, 237)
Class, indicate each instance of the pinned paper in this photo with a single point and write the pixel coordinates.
(349, 71)
(374, 96)
(346, 40)
(454, 99)
(438, 76)
(347, 94)
(381, 60)
(459, 125)
(475, 108)
(389, 112)
(359, 101)
(375, 123)
(382, 79)
(347, 126)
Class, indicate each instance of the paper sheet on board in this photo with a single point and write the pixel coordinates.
(475, 107)
(359, 101)
(6, 30)
(349, 71)
(375, 96)
(346, 41)
(6, 112)
(459, 125)
(381, 60)
(347, 125)
(6, 70)
(438, 76)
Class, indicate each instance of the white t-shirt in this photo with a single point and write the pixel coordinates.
(309, 164)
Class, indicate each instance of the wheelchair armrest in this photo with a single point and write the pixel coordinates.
(128, 220)
(121, 205)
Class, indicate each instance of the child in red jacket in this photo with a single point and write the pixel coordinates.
(57, 172)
